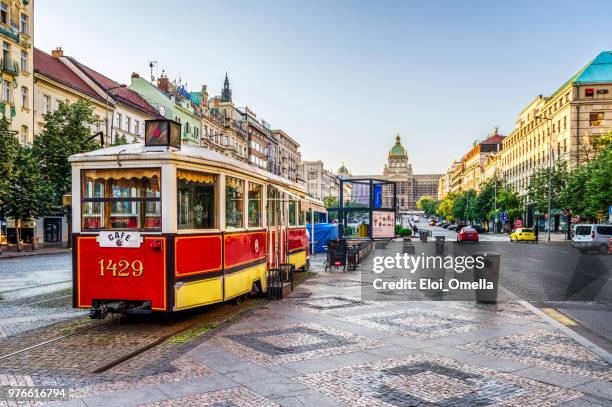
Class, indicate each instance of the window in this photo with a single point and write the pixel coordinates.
(46, 107)
(274, 202)
(136, 127)
(121, 199)
(6, 90)
(301, 217)
(23, 23)
(196, 200)
(24, 97)
(24, 61)
(6, 53)
(292, 208)
(119, 118)
(312, 175)
(128, 124)
(4, 16)
(255, 205)
(596, 118)
(234, 202)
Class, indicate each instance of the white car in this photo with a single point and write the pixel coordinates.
(415, 218)
(592, 237)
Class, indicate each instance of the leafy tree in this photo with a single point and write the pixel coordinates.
(119, 140)
(9, 149)
(428, 204)
(30, 193)
(330, 202)
(538, 188)
(445, 208)
(66, 132)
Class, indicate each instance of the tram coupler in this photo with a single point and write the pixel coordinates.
(98, 311)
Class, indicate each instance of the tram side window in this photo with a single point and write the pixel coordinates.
(273, 206)
(292, 208)
(301, 217)
(234, 202)
(255, 205)
(196, 203)
(121, 199)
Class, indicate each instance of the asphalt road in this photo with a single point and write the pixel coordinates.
(554, 276)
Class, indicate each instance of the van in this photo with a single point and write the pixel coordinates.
(592, 237)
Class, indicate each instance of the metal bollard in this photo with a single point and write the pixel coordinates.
(440, 244)
(490, 273)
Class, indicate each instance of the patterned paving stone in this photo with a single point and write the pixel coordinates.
(331, 303)
(291, 343)
(426, 380)
(550, 349)
(334, 282)
(505, 309)
(236, 397)
(421, 324)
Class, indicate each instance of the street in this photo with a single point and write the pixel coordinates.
(25, 276)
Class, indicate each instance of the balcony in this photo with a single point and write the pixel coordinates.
(10, 32)
(9, 66)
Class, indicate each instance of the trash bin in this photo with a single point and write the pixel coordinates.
(490, 273)
(440, 244)
(423, 235)
(352, 258)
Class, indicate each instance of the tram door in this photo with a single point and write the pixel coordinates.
(277, 230)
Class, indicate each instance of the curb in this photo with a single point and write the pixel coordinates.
(569, 332)
(9, 255)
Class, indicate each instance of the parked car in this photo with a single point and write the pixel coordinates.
(452, 227)
(432, 222)
(479, 229)
(592, 237)
(523, 235)
(415, 218)
(467, 234)
(460, 226)
(445, 225)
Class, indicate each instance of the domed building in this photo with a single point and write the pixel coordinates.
(410, 187)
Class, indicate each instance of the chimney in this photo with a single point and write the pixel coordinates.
(135, 75)
(163, 83)
(57, 52)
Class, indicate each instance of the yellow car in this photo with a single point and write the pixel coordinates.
(523, 235)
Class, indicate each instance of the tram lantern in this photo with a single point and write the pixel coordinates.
(162, 133)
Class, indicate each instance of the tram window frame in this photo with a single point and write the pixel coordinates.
(193, 179)
(273, 206)
(259, 223)
(241, 209)
(301, 215)
(292, 221)
(111, 197)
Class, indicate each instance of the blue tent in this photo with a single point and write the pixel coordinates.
(323, 232)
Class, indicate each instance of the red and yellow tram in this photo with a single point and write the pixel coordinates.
(167, 229)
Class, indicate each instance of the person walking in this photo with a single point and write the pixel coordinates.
(536, 229)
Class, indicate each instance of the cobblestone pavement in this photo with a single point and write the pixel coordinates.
(334, 349)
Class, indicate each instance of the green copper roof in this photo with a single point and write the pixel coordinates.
(195, 98)
(600, 70)
(398, 148)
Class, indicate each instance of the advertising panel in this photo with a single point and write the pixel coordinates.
(383, 224)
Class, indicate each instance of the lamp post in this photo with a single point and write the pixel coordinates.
(123, 85)
(549, 175)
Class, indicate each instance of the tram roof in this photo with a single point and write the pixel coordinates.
(187, 153)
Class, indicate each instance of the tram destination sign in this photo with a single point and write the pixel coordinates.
(119, 239)
(162, 133)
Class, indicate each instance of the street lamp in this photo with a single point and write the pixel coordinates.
(549, 175)
(123, 85)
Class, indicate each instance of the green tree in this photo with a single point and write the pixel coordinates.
(445, 207)
(66, 132)
(538, 188)
(428, 204)
(9, 150)
(119, 140)
(330, 202)
(30, 194)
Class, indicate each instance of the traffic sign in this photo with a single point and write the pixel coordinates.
(503, 216)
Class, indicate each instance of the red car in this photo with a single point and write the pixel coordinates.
(467, 234)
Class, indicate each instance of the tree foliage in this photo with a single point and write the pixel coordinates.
(66, 132)
(9, 149)
(538, 187)
(428, 204)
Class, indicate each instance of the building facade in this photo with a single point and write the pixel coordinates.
(289, 156)
(473, 161)
(319, 182)
(16, 100)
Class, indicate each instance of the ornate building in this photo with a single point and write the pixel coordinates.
(410, 187)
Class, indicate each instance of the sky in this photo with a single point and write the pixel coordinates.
(344, 77)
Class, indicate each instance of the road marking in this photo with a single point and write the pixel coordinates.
(569, 332)
(564, 319)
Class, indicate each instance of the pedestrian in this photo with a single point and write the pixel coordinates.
(536, 230)
(415, 229)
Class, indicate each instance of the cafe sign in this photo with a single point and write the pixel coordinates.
(119, 239)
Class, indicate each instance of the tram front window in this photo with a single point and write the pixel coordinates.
(121, 199)
(254, 205)
(274, 208)
(196, 200)
(234, 202)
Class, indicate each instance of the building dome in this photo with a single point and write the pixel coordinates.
(343, 170)
(398, 149)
